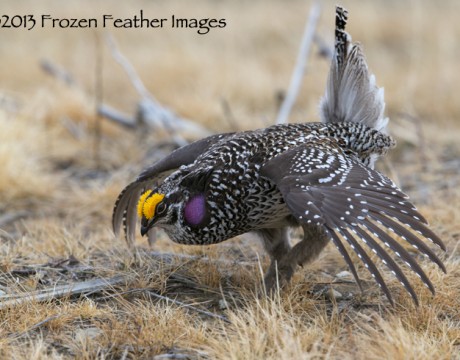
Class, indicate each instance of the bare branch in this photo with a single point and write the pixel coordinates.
(301, 63)
(116, 116)
(150, 111)
(98, 97)
(36, 326)
(228, 114)
(129, 69)
(10, 217)
(84, 287)
(56, 71)
(169, 257)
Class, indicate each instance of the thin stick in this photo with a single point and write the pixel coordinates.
(301, 63)
(150, 111)
(84, 287)
(116, 116)
(7, 218)
(56, 71)
(98, 98)
(35, 326)
(168, 257)
(188, 306)
(129, 69)
(228, 115)
(148, 104)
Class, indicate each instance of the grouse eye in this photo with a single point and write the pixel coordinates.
(161, 208)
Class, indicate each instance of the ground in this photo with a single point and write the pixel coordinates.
(69, 288)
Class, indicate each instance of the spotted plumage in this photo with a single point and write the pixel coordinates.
(318, 176)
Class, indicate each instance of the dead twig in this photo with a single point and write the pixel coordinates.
(228, 115)
(301, 63)
(98, 98)
(116, 116)
(188, 306)
(152, 293)
(129, 69)
(35, 326)
(8, 218)
(150, 111)
(57, 72)
(85, 287)
(168, 257)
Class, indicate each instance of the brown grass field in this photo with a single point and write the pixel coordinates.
(59, 181)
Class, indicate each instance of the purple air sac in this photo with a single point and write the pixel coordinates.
(195, 210)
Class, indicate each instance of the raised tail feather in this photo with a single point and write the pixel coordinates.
(351, 92)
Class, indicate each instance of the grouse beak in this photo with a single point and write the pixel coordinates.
(144, 230)
(146, 226)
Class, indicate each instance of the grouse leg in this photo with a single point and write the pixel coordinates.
(276, 243)
(307, 250)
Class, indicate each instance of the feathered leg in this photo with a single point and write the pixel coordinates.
(276, 242)
(307, 250)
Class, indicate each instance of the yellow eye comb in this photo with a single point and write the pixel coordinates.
(147, 204)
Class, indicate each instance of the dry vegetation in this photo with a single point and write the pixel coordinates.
(56, 193)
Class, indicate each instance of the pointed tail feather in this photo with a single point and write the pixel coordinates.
(351, 92)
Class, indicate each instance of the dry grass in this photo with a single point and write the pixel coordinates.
(56, 199)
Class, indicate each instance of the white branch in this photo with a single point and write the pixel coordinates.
(302, 57)
(129, 69)
(84, 287)
(150, 111)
